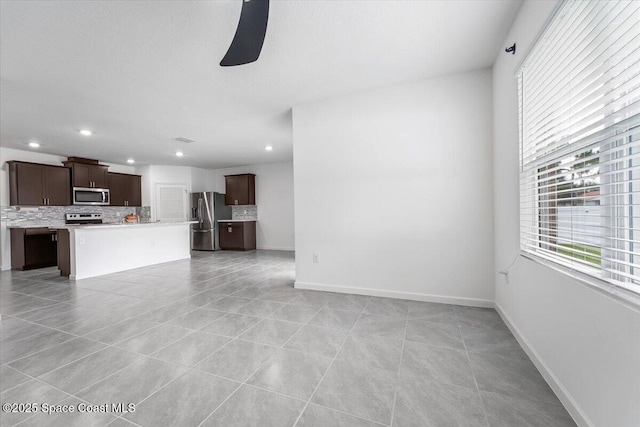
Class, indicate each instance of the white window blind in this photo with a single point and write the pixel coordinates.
(171, 202)
(579, 106)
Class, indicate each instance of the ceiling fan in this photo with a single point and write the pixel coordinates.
(252, 27)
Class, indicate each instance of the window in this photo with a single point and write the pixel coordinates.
(579, 112)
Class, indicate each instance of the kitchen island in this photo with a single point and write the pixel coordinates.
(95, 249)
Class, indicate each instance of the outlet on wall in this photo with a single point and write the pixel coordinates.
(316, 258)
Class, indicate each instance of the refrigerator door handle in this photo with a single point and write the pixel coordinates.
(200, 211)
(207, 211)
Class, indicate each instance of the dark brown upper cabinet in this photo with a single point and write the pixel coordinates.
(240, 189)
(87, 173)
(125, 189)
(32, 184)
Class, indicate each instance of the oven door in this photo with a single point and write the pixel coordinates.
(90, 196)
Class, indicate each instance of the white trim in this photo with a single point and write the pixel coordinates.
(272, 248)
(566, 399)
(472, 302)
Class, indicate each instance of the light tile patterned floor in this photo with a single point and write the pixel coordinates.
(224, 339)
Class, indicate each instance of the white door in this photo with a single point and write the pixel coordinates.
(171, 202)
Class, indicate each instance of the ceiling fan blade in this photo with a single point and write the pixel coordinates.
(252, 27)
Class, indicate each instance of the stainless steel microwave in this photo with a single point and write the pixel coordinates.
(90, 196)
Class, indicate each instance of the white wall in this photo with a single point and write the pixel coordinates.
(393, 191)
(586, 344)
(120, 168)
(7, 154)
(274, 198)
(201, 180)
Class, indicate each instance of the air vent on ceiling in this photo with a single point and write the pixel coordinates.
(183, 139)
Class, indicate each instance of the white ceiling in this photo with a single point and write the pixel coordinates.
(141, 73)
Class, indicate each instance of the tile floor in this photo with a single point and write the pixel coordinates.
(224, 339)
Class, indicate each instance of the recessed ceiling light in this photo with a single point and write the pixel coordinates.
(85, 132)
(179, 153)
(268, 148)
(34, 144)
(130, 161)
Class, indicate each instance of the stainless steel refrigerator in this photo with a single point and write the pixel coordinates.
(207, 208)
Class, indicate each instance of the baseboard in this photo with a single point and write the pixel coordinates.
(473, 302)
(569, 403)
(273, 248)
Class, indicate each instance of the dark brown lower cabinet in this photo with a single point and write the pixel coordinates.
(64, 252)
(33, 248)
(237, 236)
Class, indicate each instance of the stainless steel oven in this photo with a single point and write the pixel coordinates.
(90, 196)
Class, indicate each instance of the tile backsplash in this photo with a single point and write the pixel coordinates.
(144, 213)
(15, 215)
(245, 212)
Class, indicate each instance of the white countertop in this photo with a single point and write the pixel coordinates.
(62, 226)
(122, 225)
(35, 225)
